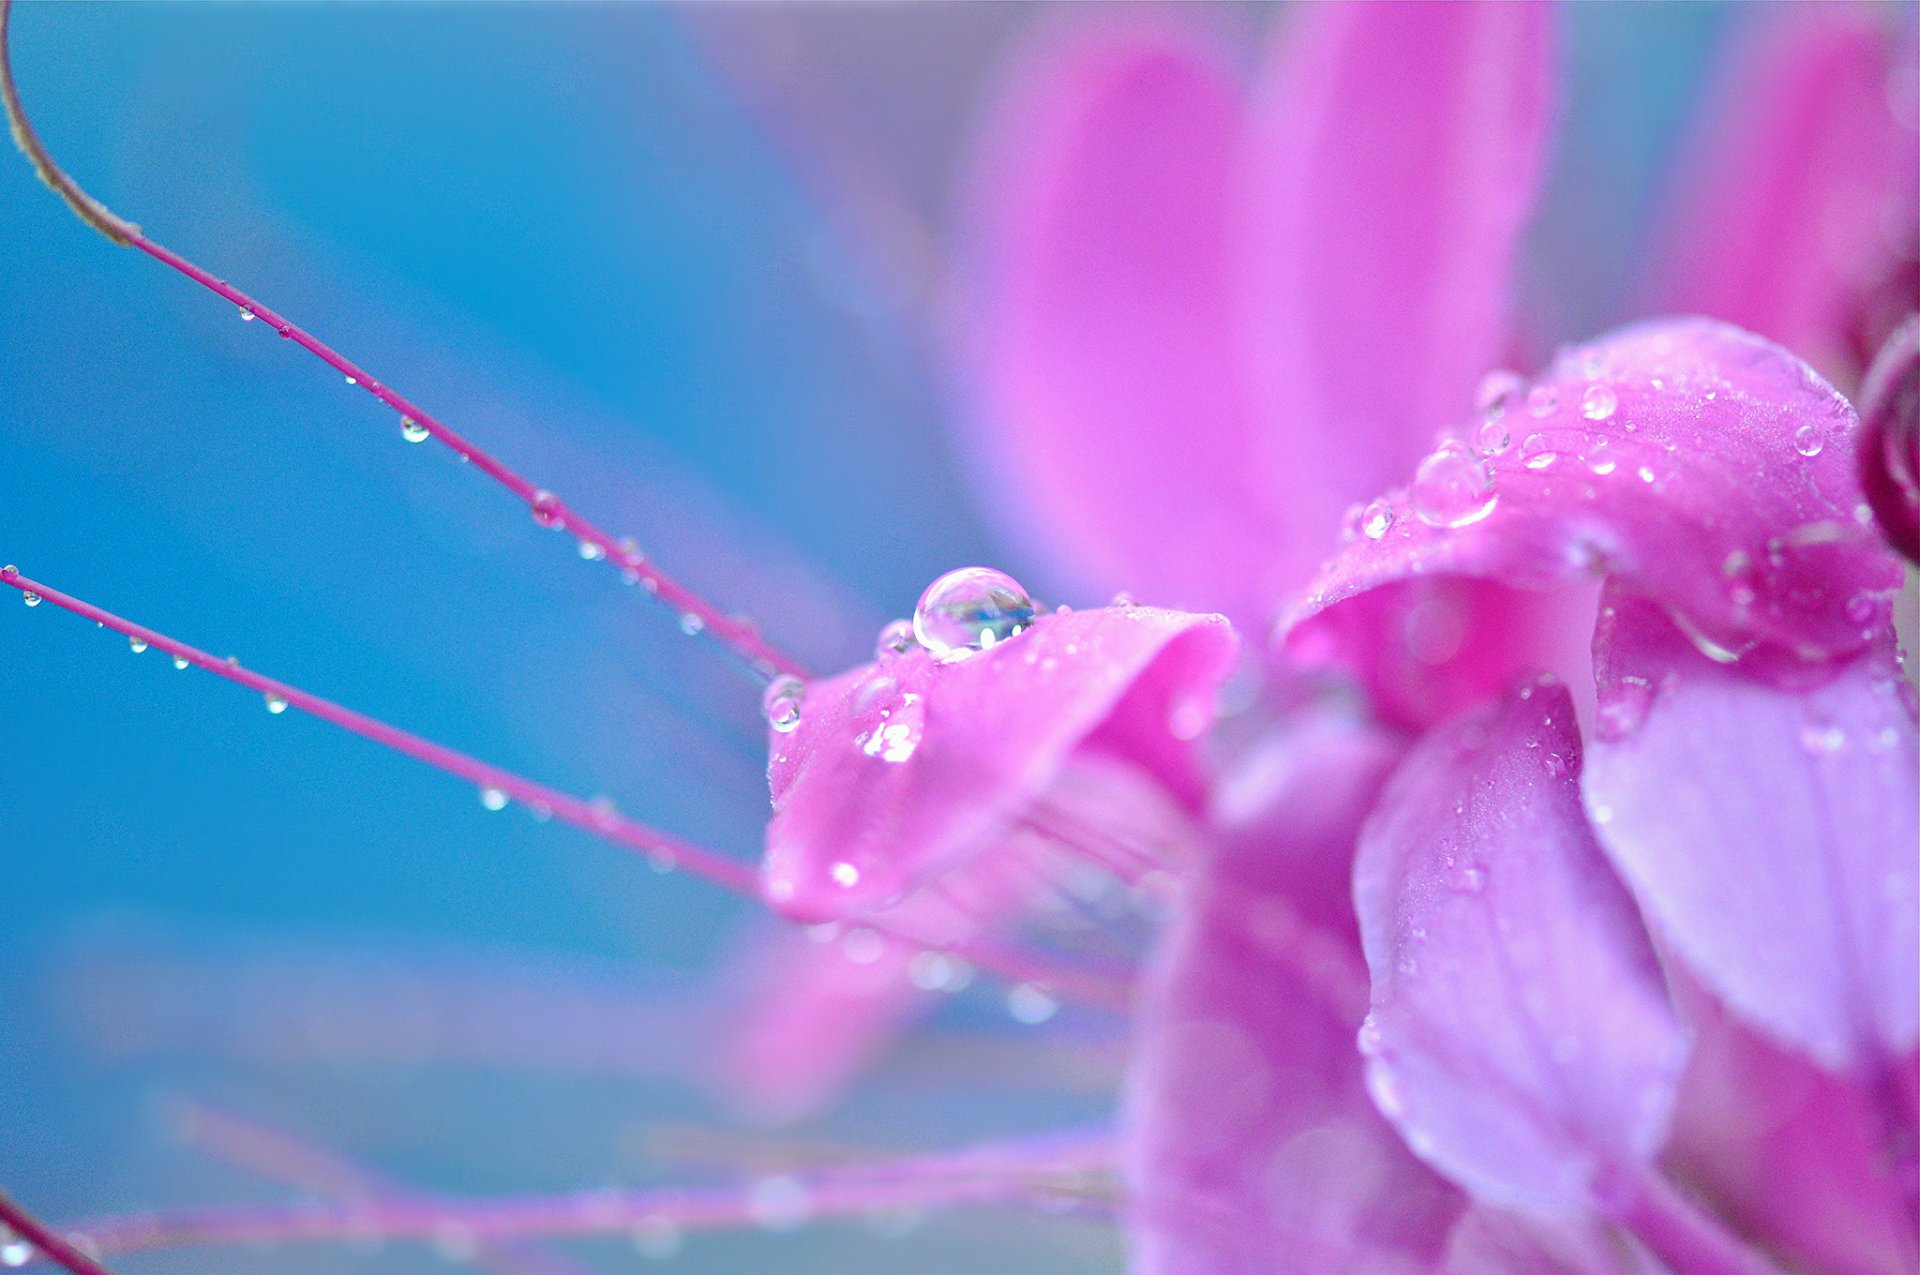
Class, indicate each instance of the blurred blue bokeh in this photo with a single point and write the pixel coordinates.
(596, 239)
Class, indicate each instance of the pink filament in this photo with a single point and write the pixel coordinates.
(47, 1242)
(606, 824)
(738, 633)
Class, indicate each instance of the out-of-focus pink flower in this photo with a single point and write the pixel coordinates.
(1605, 930)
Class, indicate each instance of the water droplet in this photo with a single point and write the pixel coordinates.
(1807, 440)
(352, 380)
(1542, 400)
(1646, 474)
(1863, 608)
(493, 798)
(246, 314)
(1453, 487)
(895, 640)
(1601, 812)
(1124, 600)
(1031, 1004)
(1622, 711)
(1537, 452)
(14, 1251)
(1491, 436)
(591, 551)
(180, 661)
(276, 704)
(31, 599)
(138, 645)
(1386, 1091)
(413, 431)
(781, 703)
(1600, 458)
(691, 624)
(1376, 520)
(546, 508)
(1823, 737)
(971, 610)
(1599, 402)
(1367, 1039)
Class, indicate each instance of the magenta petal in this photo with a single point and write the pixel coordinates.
(1109, 419)
(1890, 438)
(1770, 835)
(1392, 162)
(1689, 462)
(1521, 1034)
(1804, 187)
(1495, 1241)
(1251, 1146)
(901, 770)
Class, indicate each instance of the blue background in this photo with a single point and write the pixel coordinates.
(615, 245)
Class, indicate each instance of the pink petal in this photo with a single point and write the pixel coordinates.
(1789, 1153)
(1251, 1146)
(1688, 462)
(1392, 163)
(1771, 835)
(1495, 1241)
(1890, 438)
(1804, 187)
(902, 770)
(1110, 421)
(1521, 1036)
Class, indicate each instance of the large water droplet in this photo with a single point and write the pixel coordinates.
(493, 798)
(31, 599)
(413, 431)
(246, 314)
(1807, 440)
(14, 1251)
(781, 703)
(895, 640)
(971, 610)
(1453, 487)
(276, 704)
(1599, 402)
(137, 645)
(180, 661)
(1376, 520)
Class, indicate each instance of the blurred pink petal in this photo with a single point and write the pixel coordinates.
(1890, 438)
(901, 770)
(1793, 1154)
(1252, 1147)
(1495, 1241)
(1111, 422)
(1686, 461)
(1803, 185)
(1521, 1036)
(1771, 836)
(1392, 163)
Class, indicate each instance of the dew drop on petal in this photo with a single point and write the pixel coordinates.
(895, 640)
(1367, 1039)
(1537, 452)
(493, 798)
(1376, 520)
(1807, 441)
(276, 704)
(137, 645)
(1600, 458)
(781, 703)
(971, 610)
(413, 431)
(1031, 1004)
(1453, 487)
(1599, 402)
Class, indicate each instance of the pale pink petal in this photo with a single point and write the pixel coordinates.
(1792, 1154)
(1251, 1145)
(1098, 347)
(1686, 461)
(901, 770)
(1772, 836)
(1890, 438)
(1802, 186)
(1495, 1241)
(1521, 1034)
(1391, 165)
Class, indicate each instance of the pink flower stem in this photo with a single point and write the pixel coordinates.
(46, 1242)
(875, 1188)
(661, 849)
(602, 822)
(737, 633)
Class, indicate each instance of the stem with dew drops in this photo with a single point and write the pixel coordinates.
(47, 1242)
(697, 614)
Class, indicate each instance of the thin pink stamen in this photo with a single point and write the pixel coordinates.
(609, 825)
(697, 614)
(46, 1242)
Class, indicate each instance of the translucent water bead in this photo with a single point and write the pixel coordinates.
(970, 610)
